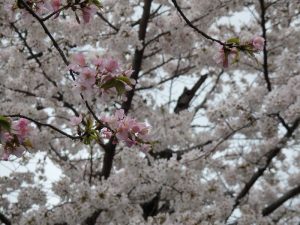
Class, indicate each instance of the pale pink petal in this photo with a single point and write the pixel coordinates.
(79, 59)
(119, 114)
(111, 65)
(106, 133)
(87, 13)
(74, 121)
(258, 43)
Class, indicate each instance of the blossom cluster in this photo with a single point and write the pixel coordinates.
(118, 127)
(104, 77)
(54, 7)
(229, 53)
(126, 129)
(14, 137)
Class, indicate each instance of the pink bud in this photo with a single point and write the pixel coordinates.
(258, 43)
(21, 128)
(55, 4)
(87, 13)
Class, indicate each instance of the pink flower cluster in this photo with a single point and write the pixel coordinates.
(228, 55)
(126, 129)
(44, 7)
(15, 141)
(103, 77)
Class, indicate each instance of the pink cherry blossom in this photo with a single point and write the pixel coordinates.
(258, 43)
(126, 129)
(79, 59)
(16, 140)
(106, 133)
(21, 128)
(56, 4)
(75, 121)
(87, 78)
(111, 65)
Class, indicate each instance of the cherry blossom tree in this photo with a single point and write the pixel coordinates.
(154, 112)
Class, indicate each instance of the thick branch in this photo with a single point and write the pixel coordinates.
(93, 218)
(269, 157)
(187, 95)
(138, 55)
(265, 52)
(4, 219)
(278, 202)
(109, 154)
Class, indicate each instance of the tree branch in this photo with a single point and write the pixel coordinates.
(46, 125)
(4, 219)
(55, 44)
(186, 97)
(32, 55)
(138, 55)
(269, 157)
(194, 27)
(278, 202)
(265, 52)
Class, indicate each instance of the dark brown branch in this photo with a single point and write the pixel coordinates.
(46, 125)
(177, 73)
(202, 104)
(109, 154)
(186, 97)
(110, 148)
(168, 153)
(108, 23)
(55, 44)
(58, 11)
(269, 157)
(93, 218)
(63, 158)
(4, 219)
(32, 54)
(138, 55)
(194, 27)
(265, 52)
(278, 202)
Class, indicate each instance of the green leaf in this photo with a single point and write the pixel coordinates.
(5, 123)
(108, 84)
(96, 3)
(116, 83)
(234, 40)
(125, 80)
(120, 86)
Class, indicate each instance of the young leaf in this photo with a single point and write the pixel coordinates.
(4, 123)
(235, 40)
